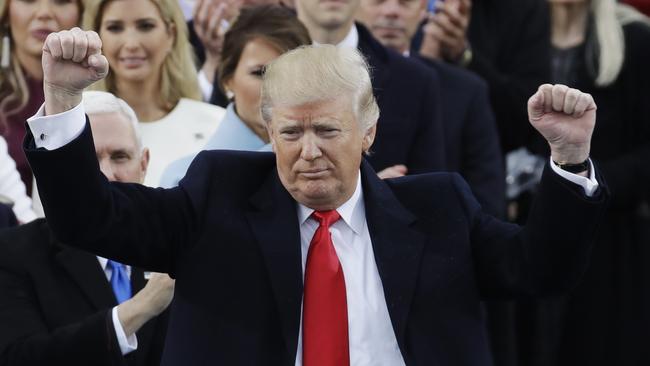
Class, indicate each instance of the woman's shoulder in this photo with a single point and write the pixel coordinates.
(196, 107)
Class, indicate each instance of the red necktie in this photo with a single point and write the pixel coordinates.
(325, 310)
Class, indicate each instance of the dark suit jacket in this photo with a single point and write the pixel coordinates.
(55, 305)
(229, 234)
(471, 138)
(511, 44)
(409, 130)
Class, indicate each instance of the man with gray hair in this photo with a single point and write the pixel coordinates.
(305, 257)
(62, 306)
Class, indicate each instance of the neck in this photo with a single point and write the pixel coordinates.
(32, 65)
(144, 98)
(329, 36)
(568, 24)
(257, 129)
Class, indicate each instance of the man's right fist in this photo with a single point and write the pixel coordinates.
(72, 60)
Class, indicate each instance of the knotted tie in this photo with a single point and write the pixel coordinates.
(120, 281)
(325, 312)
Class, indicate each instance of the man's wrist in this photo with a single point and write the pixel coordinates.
(59, 100)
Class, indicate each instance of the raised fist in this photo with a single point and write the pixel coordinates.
(72, 60)
(566, 118)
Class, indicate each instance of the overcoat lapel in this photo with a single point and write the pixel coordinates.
(397, 245)
(274, 222)
(85, 270)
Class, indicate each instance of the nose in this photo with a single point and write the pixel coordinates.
(107, 168)
(310, 148)
(390, 8)
(44, 10)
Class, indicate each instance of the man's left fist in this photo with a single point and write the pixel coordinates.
(566, 118)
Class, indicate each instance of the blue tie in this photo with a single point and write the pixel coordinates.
(120, 281)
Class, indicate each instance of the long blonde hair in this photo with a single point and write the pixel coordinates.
(178, 77)
(609, 19)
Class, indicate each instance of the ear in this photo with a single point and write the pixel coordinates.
(144, 162)
(171, 30)
(269, 131)
(369, 138)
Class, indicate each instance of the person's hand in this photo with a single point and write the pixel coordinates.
(209, 18)
(72, 60)
(394, 171)
(445, 33)
(566, 118)
(152, 300)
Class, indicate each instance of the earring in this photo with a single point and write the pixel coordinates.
(229, 94)
(6, 51)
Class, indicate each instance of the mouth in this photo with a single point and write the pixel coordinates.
(41, 33)
(132, 62)
(314, 173)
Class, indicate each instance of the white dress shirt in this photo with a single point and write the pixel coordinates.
(130, 343)
(371, 335)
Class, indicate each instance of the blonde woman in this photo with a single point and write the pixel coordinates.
(152, 69)
(603, 48)
(23, 27)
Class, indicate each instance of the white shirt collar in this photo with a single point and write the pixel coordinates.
(103, 262)
(352, 211)
(351, 40)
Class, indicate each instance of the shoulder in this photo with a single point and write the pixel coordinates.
(197, 108)
(25, 243)
(434, 194)
(231, 168)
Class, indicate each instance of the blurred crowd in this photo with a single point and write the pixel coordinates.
(452, 79)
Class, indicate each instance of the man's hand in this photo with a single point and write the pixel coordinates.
(152, 300)
(445, 34)
(566, 118)
(394, 171)
(210, 18)
(72, 60)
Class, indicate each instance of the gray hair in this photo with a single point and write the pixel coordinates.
(318, 73)
(100, 102)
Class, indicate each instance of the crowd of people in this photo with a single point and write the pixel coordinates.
(452, 81)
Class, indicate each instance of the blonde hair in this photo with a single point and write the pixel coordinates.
(609, 19)
(14, 93)
(178, 77)
(317, 73)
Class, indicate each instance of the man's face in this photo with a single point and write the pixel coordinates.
(326, 14)
(393, 22)
(318, 148)
(117, 149)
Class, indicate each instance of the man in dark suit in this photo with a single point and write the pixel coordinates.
(57, 305)
(471, 138)
(393, 270)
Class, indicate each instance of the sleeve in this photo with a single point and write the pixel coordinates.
(589, 185)
(130, 223)
(546, 257)
(25, 339)
(53, 131)
(521, 68)
(127, 344)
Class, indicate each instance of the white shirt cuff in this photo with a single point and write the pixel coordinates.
(57, 130)
(127, 344)
(206, 86)
(588, 184)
